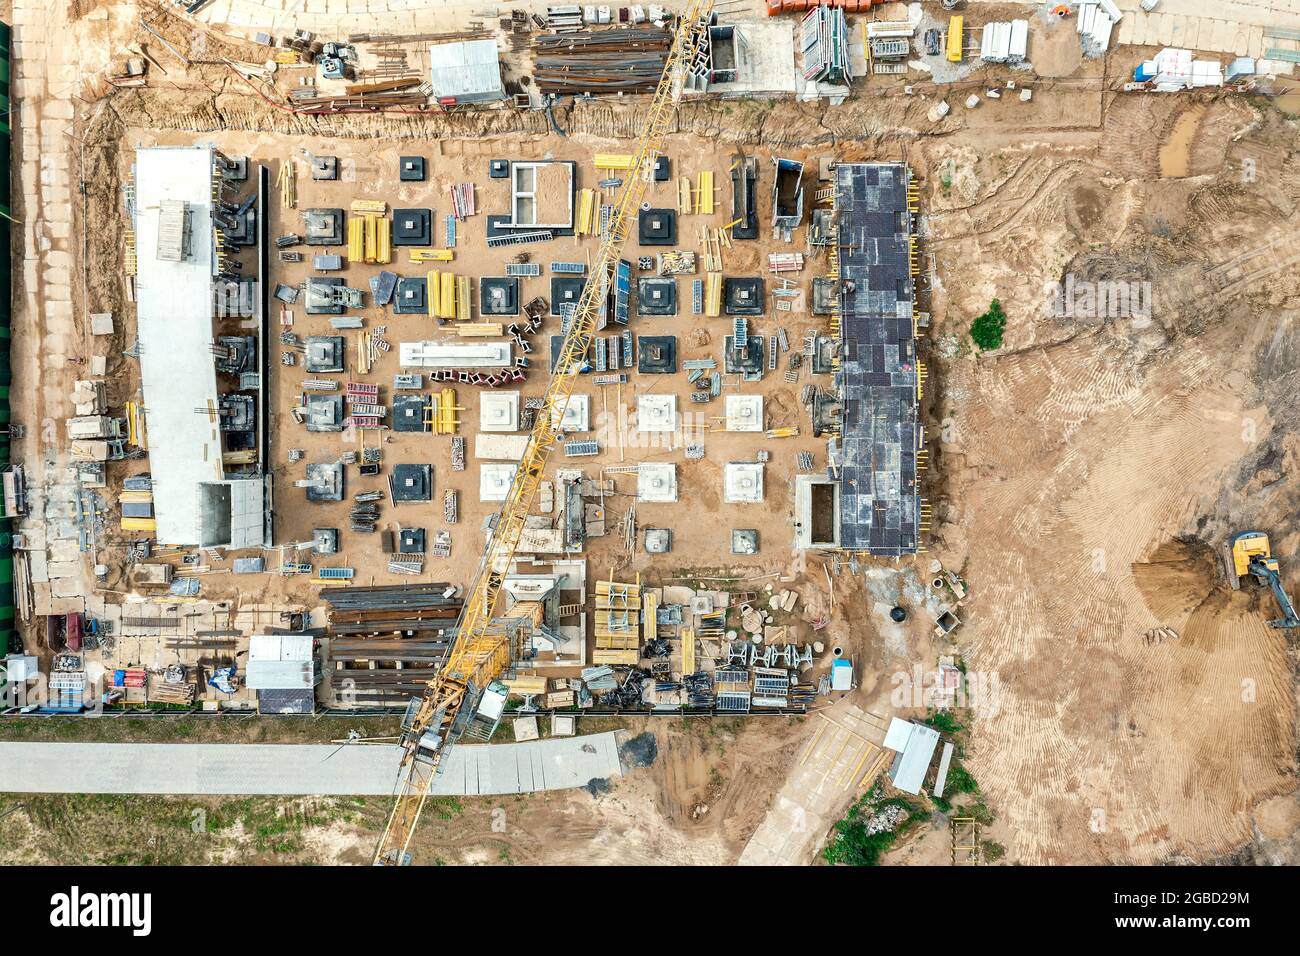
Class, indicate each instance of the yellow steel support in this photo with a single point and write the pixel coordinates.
(480, 653)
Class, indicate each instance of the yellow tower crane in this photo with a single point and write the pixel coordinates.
(481, 649)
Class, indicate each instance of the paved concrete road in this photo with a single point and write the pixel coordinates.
(360, 769)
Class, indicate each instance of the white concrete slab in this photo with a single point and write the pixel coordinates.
(313, 769)
(174, 324)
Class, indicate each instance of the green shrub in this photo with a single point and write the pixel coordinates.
(986, 331)
(944, 721)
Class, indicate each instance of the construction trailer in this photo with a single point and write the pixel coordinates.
(465, 72)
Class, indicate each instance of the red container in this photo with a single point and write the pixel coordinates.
(72, 632)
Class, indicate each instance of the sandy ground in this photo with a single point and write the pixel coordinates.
(1083, 476)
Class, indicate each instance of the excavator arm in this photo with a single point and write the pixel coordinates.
(1268, 575)
(481, 652)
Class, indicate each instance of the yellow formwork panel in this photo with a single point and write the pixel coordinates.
(713, 295)
(955, 33)
(446, 295)
(649, 624)
(586, 223)
(369, 207)
(447, 421)
(688, 650)
(614, 160)
(704, 194)
(602, 656)
(432, 255)
(372, 237)
(472, 330)
(384, 246)
(356, 240)
(463, 298)
(684, 205)
(433, 293)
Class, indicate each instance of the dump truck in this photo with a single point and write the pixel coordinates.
(1249, 552)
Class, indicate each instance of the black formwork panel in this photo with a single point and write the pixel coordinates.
(877, 382)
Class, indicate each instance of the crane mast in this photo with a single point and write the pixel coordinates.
(481, 651)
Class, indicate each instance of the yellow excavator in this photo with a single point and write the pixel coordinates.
(1250, 553)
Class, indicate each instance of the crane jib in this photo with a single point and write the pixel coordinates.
(477, 656)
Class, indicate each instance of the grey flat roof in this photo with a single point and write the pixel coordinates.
(465, 69)
(910, 766)
(879, 500)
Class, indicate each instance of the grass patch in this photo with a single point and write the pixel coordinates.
(143, 830)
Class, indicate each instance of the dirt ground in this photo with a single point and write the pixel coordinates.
(1083, 476)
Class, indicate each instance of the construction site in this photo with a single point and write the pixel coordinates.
(550, 373)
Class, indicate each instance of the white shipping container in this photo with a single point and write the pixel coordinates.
(986, 42)
(1101, 31)
(995, 42)
(1019, 40)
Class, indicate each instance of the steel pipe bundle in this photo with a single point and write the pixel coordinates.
(606, 61)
